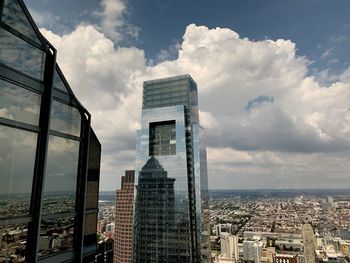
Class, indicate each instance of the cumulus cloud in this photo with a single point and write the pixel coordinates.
(112, 21)
(292, 119)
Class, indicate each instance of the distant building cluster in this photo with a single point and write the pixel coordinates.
(260, 230)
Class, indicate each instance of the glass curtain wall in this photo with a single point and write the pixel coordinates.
(170, 137)
(44, 138)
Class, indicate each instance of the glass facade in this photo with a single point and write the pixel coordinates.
(49, 157)
(175, 188)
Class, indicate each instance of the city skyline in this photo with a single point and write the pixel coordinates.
(273, 89)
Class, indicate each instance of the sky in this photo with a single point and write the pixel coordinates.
(273, 81)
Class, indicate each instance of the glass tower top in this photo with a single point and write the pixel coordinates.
(172, 91)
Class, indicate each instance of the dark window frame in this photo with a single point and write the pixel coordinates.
(48, 93)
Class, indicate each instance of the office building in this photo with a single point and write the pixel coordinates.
(124, 219)
(268, 255)
(105, 251)
(330, 200)
(229, 247)
(49, 158)
(252, 250)
(258, 247)
(171, 151)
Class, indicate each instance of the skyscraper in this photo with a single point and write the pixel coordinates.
(49, 157)
(171, 151)
(124, 219)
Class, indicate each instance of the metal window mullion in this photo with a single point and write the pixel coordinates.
(15, 220)
(34, 26)
(64, 135)
(58, 215)
(21, 79)
(18, 125)
(41, 157)
(1, 8)
(21, 36)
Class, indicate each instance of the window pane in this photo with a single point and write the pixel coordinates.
(17, 157)
(20, 55)
(65, 119)
(14, 16)
(13, 243)
(92, 195)
(162, 138)
(90, 224)
(19, 104)
(58, 83)
(61, 176)
(56, 235)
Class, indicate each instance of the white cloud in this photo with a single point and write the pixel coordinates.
(207, 120)
(112, 21)
(228, 155)
(345, 76)
(327, 53)
(268, 142)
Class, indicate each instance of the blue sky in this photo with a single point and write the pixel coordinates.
(273, 78)
(318, 27)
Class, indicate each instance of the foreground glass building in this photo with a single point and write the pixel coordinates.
(49, 157)
(171, 204)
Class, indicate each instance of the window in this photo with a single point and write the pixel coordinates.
(13, 242)
(58, 82)
(14, 16)
(61, 176)
(56, 235)
(17, 157)
(162, 138)
(65, 119)
(19, 104)
(20, 55)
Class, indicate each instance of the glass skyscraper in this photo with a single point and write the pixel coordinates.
(171, 204)
(49, 157)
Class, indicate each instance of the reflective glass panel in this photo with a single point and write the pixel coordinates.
(65, 119)
(17, 157)
(20, 55)
(14, 16)
(61, 176)
(58, 83)
(90, 224)
(172, 244)
(13, 243)
(92, 195)
(19, 104)
(56, 235)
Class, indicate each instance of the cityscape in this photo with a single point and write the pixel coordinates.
(272, 223)
(174, 131)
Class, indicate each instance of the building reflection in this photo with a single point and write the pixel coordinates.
(154, 227)
(13, 243)
(56, 235)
